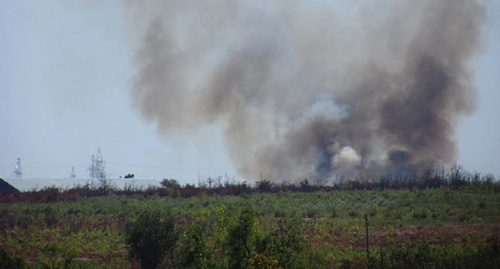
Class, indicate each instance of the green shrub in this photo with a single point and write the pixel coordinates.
(353, 213)
(333, 212)
(419, 214)
(262, 262)
(289, 243)
(239, 239)
(151, 238)
(372, 210)
(8, 262)
(52, 217)
(54, 255)
(192, 251)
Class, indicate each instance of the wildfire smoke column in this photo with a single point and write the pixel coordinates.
(303, 90)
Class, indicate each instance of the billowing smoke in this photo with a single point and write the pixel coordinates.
(312, 89)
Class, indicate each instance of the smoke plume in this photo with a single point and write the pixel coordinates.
(312, 89)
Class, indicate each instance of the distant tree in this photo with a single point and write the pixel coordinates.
(264, 186)
(304, 185)
(170, 183)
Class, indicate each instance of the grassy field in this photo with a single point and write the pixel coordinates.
(443, 227)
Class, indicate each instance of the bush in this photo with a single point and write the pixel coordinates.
(239, 239)
(151, 238)
(53, 255)
(262, 262)
(192, 251)
(6, 261)
(288, 243)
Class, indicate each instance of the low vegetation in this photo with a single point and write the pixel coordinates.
(437, 220)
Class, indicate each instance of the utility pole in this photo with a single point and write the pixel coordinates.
(367, 244)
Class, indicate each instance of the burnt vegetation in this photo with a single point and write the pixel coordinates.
(453, 178)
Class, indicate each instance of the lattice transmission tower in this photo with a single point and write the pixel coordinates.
(97, 166)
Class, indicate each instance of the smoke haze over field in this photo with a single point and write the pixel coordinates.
(303, 92)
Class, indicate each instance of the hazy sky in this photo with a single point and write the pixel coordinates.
(65, 79)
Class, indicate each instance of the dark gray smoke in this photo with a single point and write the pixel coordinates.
(311, 89)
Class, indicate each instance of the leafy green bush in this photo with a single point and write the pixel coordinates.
(55, 255)
(239, 239)
(262, 262)
(353, 213)
(8, 262)
(427, 255)
(151, 238)
(192, 250)
(286, 243)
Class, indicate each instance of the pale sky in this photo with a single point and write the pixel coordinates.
(65, 79)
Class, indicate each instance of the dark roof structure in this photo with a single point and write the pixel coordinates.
(6, 187)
